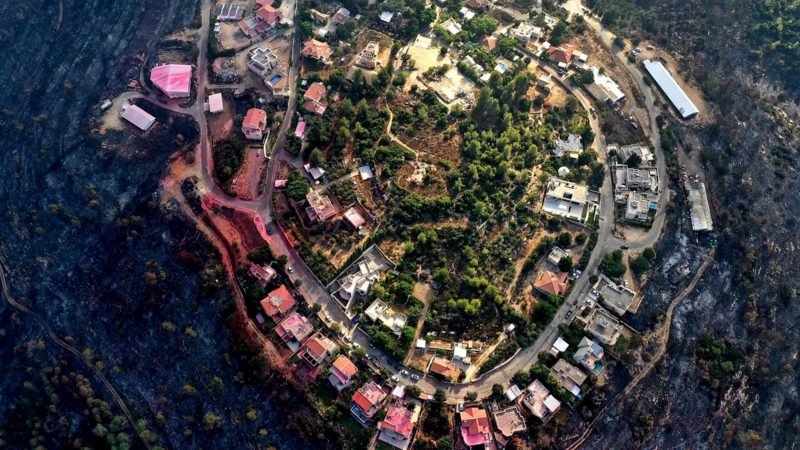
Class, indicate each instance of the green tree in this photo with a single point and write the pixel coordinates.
(440, 395)
(564, 240)
(471, 396)
(297, 186)
(633, 161)
(565, 264)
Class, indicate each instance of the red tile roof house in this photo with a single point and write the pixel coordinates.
(174, 80)
(397, 427)
(444, 368)
(314, 99)
(315, 49)
(367, 401)
(343, 373)
(318, 349)
(549, 283)
(278, 303)
(475, 427)
(254, 124)
(294, 330)
(269, 15)
(561, 54)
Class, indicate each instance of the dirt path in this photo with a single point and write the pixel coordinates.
(50, 333)
(662, 335)
(427, 293)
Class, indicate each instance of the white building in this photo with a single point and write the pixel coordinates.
(570, 200)
(380, 312)
(671, 89)
(571, 147)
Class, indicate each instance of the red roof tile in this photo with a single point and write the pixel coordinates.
(345, 367)
(550, 283)
(278, 302)
(255, 119)
(562, 54)
(315, 92)
(317, 49)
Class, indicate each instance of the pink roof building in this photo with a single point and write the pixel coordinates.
(174, 80)
(367, 401)
(215, 104)
(397, 427)
(293, 330)
(254, 124)
(354, 218)
(475, 427)
(269, 15)
(300, 130)
(139, 117)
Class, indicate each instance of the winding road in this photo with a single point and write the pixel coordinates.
(316, 294)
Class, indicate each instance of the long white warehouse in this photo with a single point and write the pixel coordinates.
(671, 88)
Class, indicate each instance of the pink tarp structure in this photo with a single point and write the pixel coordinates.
(215, 104)
(174, 80)
(139, 117)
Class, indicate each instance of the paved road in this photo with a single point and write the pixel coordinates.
(315, 293)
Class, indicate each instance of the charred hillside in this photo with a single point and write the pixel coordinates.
(729, 379)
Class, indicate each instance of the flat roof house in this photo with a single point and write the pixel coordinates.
(509, 421)
(570, 377)
(140, 118)
(604, 326)
(549, 283)
(539, 401)
(569, 200)
(367, 401)
(354, 218)
(700, 212)
(616, 297)
(174, 80)
(318, 349)
(278, 303)
(315, 49)
(254, 124)
(368, 58)
(294, 330)
(379, 311)
(343, 373)
(398, 426)
(590, 355)
(320, 207)
(556, 255)
(215, 104)
(686, 108)
(475, 427)
(264, 274)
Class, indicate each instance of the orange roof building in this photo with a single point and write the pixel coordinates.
(561, 54)
(315, 49)
(318, 349)
(444, 368)
(475, 427)
(343, 373)
(314, 99)
(367, 401)
(549, 283)
(254, 124)
(278, 302)
(269, 15)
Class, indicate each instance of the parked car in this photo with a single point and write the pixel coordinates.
(290, 270)
(404, 372)
(414, 377)
(460, 406)
(394, 378)
(624, 247)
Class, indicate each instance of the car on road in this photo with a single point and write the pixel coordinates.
(290, 270)
(394, 378)
(356, 345)
(415, 377)
(569, 314)
(624, 247)
(404, 372)
(269, 229)
(460, 406)
(368, 357)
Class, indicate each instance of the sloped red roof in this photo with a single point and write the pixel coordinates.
(345, 367)
(255, 118)
(368, 395)
(278, 302)
(317, 346)
(550, 283)
(475, 420)
(398, 419)
(314, 107)
(317, 49)
(269, 14)
(316, 91)
(562, 54)
(444, 367)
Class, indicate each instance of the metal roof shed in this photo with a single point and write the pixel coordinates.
(671, 89)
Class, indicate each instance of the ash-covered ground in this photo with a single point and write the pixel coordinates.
(88, 244)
